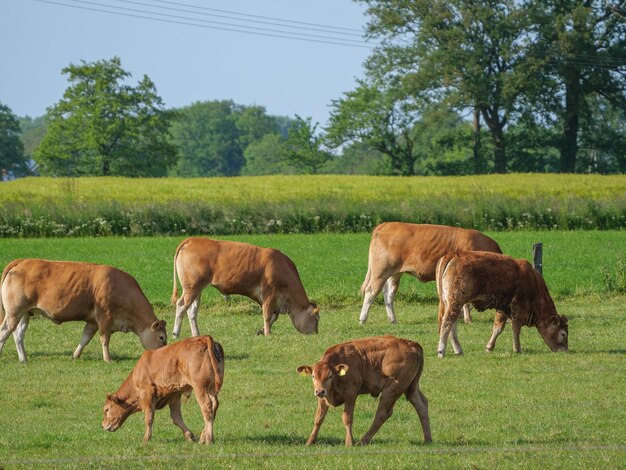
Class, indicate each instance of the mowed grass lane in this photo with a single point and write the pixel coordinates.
(501, 409)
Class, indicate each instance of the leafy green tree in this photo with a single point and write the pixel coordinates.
(103, 126)
(462, 53)
(583, 44)
(380, 117)
(33, 131)
(303, 148)
(265, 157)
(12, 159)
(358, 158)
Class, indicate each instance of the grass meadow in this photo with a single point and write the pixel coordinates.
(79, 207)
(498, 410)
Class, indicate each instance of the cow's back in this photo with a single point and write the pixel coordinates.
(416, 248)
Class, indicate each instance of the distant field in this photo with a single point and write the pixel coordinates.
(499, 410)
(36, 207)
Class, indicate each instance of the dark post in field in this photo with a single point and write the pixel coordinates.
(538, 257)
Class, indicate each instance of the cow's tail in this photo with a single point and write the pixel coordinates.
(216, 354)
(368, 277)
(175, 289)
(440, 271)
(4, 275)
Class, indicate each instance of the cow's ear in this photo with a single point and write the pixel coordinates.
(113, 398)
(304, 371)
(341, 369)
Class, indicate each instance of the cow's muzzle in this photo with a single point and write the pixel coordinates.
(109, 427)
(320, 393)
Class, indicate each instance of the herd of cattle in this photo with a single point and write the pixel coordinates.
(468, 267)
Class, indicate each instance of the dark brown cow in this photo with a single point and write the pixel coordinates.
(107, 299)
(491, 280)
(397, 248)
(384, 365)
(162, 377)
(265, 275)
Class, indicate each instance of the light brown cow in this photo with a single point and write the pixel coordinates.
(397, 248)
(383, 365)
(162, 377)
(491, 280)
(107, 299)
(265, 275)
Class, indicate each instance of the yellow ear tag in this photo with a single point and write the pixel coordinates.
(342, 372)
(303, 373)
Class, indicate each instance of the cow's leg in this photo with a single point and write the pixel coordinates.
(149, 406)
(347, 416)
(8, 326)
(320, 414)
(192, 315)
(516, 326)
(499, 322)
(448, 319)
(458, 350)
(208, 405)
(182, 305)
(18, 337)
(467, 313)
(420, 403)
(389, 294)
(269, 315)
(388, 398)
(177, 418)
(88, 334)
(273, 318)
(369, 295)
(105, 337)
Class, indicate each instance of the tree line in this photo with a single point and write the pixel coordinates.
(453, 87)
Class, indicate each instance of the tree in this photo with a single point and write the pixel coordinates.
(12, 159)
(462, 53)
(265, 157)
(303, 147)
(103, 126)
(378, 116)
(584, 43)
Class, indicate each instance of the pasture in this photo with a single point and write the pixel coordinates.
(535, 409)
(59, 207)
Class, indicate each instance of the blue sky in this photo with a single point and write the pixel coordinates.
(187, 63)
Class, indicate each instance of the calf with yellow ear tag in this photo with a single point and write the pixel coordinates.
(383, 365)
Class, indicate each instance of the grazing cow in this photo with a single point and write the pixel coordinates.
(383, 365)
(265, 275)
(107, 299)
(491, 280)
(162, 377)
(397, 248)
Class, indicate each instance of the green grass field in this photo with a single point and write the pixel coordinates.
(535, 409)
(54, 207)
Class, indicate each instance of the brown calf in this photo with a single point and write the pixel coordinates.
(384, 365)
(491, 280)
(162, 377)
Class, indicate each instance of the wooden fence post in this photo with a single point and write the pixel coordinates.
(538, 257)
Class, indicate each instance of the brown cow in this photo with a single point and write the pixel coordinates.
(265, 275)
(162, 377)
(397, 248)
(491, 280)
(383, 365)
(107, 299)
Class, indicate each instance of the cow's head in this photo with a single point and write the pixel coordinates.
(155, 336)
(555, 332)
(115, 412)
(322, 374)
(306, 320)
